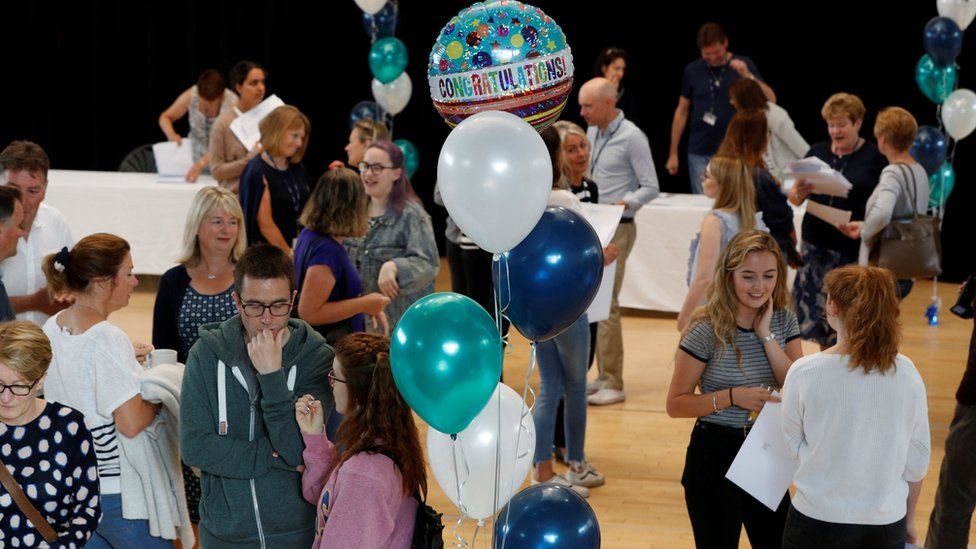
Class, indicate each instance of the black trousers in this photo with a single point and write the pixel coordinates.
(803, 532)
(718, 508)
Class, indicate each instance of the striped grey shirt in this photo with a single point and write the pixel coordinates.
(722, 369)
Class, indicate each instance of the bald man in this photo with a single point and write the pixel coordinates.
(623, 169)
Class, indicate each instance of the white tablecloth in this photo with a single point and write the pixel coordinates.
(657, 269)
(135, 206)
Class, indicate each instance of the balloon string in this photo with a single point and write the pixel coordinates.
(459, 540)
(477, 527)
(524, 412)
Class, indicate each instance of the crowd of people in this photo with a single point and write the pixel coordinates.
(285, 428)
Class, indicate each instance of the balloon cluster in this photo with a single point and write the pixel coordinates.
(505, 70)
(937, 76)
(391, 84)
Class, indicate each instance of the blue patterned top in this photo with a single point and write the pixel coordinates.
(198, 309)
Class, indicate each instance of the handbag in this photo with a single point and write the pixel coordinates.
(909, 246)
(25, 506)
(333, 331)
(428, 528)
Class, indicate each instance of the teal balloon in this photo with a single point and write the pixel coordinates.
(446, 357)
(935, 81)
(411, 156)
(941, 184)
(387, 59)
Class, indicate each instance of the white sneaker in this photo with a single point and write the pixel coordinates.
(584, 474)
(593, 386)
(583, 491)
(606, 396)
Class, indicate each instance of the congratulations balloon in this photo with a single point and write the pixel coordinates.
(547, 515)
(935, 82)
(411, 156)
(501, 55)
(959, 113)
(551, 277)
(387, 59)
(393, 97)
(446, 357)
(930, 148)
(960, 11)
(468, 464)
(495, 176)
(943, 40)
(940, 185)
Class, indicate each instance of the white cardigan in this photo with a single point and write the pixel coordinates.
(785, 143)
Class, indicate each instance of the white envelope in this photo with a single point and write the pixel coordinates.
(173, 161)
(245, 126)
(830, 214)
(764, 466)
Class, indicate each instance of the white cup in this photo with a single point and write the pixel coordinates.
(160, 356)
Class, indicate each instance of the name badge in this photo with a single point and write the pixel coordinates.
(710, 118)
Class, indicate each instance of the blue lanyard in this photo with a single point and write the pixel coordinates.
(595, 154)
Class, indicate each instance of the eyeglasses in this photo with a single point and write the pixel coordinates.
(18, 390)
(253, 309)
(333, 379)
(376, 169)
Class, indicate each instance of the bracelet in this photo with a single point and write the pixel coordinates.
(715, 403)
(768, 338)
(731, 402)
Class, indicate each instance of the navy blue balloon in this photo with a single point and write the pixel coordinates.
(547, 516)
(366, 109)
(943, 40)
(551, 276)
(385, 21)
(930, 148)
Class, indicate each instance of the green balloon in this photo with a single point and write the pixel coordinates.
(935, 81)
(387, 59)
(446, 356)
(411, 156)
(940, 185)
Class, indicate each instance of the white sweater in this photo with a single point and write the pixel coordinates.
(860, 438)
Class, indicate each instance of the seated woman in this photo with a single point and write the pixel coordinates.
(274, 186)
(736, 347)
(856, 417)
(366, 495)
(55, 449)
(398, 256)
(728, 181)
(332, 297)
(228, 156)
(204, 102)
(94, 370)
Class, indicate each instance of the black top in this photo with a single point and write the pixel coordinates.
(967, 389)
(777, 213)
(708, 90)
(173, 288)
(289, 191)
(863, 169)
(586, 192)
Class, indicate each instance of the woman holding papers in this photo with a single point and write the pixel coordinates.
(738, 346)
(856, 417)
(274, 185)
(824, 246)
(228, 156)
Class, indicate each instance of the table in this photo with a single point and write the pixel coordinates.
(136, 206)
(657, 269)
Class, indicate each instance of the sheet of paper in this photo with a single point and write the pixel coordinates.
(173, 161)
(830, 214)
(604, 219)
(807, 165)
(245, 126)
(764, 467)
(600, 307)
(818, 173)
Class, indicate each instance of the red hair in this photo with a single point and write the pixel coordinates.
(868, 301)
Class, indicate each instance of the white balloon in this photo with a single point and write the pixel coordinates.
(370, 6)
(474, 455)
(393, 97)
(959, 113)
(495, 176)
(960, 11)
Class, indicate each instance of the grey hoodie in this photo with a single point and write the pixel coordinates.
(251, 492)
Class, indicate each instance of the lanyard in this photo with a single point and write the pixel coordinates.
(595, 154)
(715, 83)
(293, 191)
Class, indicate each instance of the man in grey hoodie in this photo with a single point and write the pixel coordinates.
(237, 415)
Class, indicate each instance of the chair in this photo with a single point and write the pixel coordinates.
(141, 160)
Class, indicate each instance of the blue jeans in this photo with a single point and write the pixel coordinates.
(696, 167)
(117, 532)
(562, 370)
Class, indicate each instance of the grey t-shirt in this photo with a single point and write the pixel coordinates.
(722, 369)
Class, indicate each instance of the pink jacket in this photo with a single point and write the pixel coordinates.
(361, 504)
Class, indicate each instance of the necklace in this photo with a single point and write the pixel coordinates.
(211, 274)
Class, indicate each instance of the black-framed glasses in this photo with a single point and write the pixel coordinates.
(333, 379)
(254, 309)
(376, 169)
(18, 390)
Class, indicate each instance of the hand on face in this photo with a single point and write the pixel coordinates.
(264, 349)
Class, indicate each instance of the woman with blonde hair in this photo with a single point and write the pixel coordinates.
(274, 185)
(734, 350)
(728, 181)
(856, 417)
(364, 131)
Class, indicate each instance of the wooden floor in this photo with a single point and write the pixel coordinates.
(641, 450)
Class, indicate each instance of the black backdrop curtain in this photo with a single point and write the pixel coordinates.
(87, 80)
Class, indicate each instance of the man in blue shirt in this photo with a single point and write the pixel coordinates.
(705, 97)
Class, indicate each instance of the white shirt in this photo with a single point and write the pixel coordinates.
(566, 199)
(860, 438)
(22, 274)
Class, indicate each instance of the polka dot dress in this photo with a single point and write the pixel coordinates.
(53, 460)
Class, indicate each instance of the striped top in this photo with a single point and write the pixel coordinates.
(722, 369)
(94, 372)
